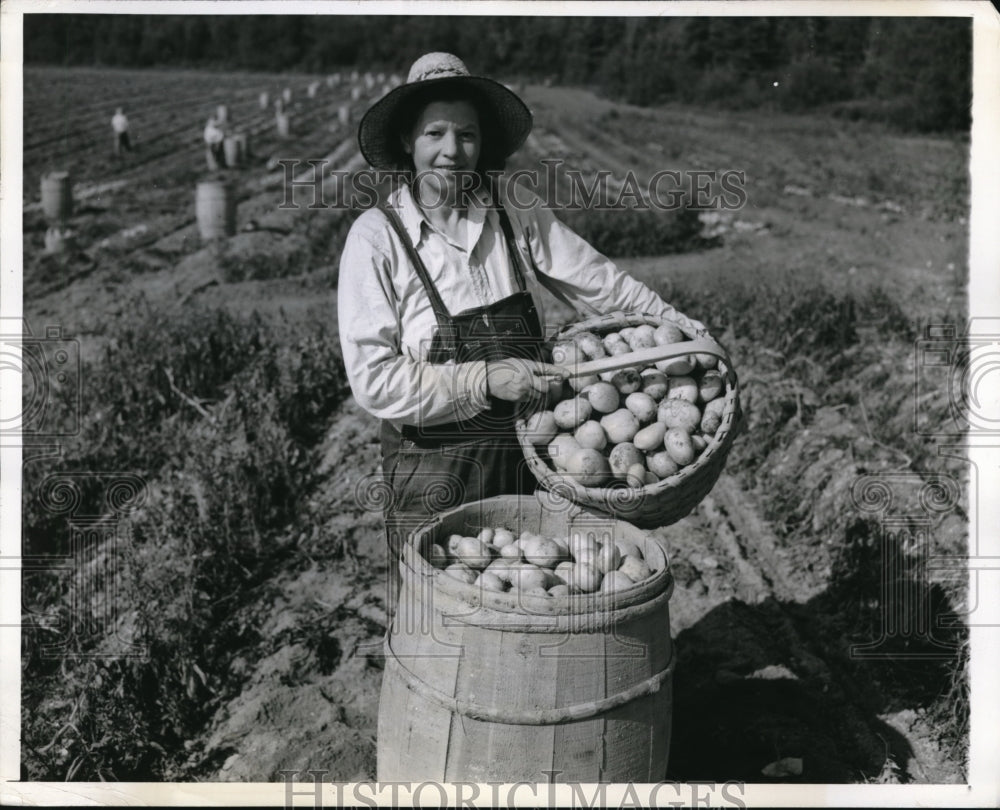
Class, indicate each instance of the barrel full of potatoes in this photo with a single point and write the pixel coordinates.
(531, 641)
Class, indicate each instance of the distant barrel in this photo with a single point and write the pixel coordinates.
(265, 100)
(215, 208)
(222, 113)
(313, 89)
(344, 114)
(57, 196)
(355, 93)
(231, 148)
(58, 240)
(283, 124)
(286, 94)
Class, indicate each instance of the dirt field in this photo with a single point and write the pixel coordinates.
(777, 571)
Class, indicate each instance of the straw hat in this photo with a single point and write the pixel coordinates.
(377, 135)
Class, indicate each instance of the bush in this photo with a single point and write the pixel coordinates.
(625, 233)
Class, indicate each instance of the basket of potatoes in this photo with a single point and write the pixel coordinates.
(642, 428)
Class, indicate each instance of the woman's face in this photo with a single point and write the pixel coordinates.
(445, 139)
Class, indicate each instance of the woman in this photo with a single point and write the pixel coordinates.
(439, 294)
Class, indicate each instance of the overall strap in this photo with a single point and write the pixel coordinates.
(440, 310)
(515, 255)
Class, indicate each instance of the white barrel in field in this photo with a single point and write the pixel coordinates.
(283, 124)
(369, 81)
(58, 240)
(57, 196)
(344, 114)
(354, 75)
(265, 100)
(313, 89)
(355, 93)
(215, 208)
(222, 113)
(231, 149)
(385, 89)
(279, 105)
(380, 78)
(286, 94)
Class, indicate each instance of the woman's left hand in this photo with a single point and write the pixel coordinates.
(516, 380)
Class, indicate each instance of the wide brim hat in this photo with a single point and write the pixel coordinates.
(377, 135)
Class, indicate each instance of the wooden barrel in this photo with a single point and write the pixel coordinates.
(494, 687)
(355, 93)
(286, 95)
(215, 207)
(231, 148)
(282, 123)
(57, 196)
(264, 100)
(344, 114)
(58, 240)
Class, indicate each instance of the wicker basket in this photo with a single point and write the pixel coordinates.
(670, 499)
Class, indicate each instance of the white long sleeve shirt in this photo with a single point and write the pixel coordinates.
(387, 322)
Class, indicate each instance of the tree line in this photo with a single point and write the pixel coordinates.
(913, 73)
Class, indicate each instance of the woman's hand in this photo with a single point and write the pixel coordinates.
(516, 380)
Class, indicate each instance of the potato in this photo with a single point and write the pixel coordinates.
(642, 338)
(683, 388)
(620, 426)
(489, 582)
(562, 571)
(474, 553)
(567, 354)
(438, 556)
(627, 548)
(626, 333)
(698, 442)
(706, 361)
(635, 476)
(561, 448)
(642, 405)
(634, 568)
(608, 558)
(502, 537)
(453, 541)
(662, 464)
(678, 444)
(589, 467)
(615, 581)
(559, 590)
(710, 386)
(590, 344)
(543, 552)
(677, 366)
(512, 551)
(626, 380)
(613, 341)
(667, 333)
(541, 427)
(590, 436)
(602, 396)
(650, 437)
(651, 477)
(585, 577)
(679, 413)
(486, 535)
(580, 542)
(525, 577)
(655, 383)
(712, 419)
(580, 383)
(461, 572)
(623, 456)
(571, 413)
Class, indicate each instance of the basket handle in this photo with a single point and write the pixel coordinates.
(643, 357)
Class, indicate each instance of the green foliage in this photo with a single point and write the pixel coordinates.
(223, 440)
(914, 71)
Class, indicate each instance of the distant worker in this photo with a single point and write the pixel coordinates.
(214, 136)
(119, 123)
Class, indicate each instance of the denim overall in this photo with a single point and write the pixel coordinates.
(432, 469)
